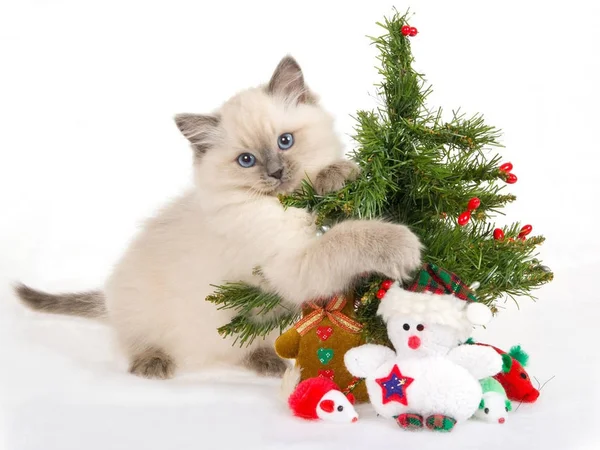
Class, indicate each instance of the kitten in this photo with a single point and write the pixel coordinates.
(260, 143)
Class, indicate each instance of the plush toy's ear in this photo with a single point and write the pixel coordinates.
(506, 362)
(327, 405)
(508, 405)
(351, 398)
(481, 404)
(518, 353)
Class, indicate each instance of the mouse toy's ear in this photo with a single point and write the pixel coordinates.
(506, 362)
(327, 405)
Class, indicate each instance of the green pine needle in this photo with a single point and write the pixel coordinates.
(420, 169)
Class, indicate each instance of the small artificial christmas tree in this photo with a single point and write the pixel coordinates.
(439, 177)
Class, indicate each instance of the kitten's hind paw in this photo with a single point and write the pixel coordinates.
(153, 363)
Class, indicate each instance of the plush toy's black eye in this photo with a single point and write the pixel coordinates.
(486, 410)
(340, 408)
(246, 160)
(406, 326)
(523, 375)
(420, 327)
(285, 141)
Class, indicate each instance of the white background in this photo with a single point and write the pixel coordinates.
(88, 149)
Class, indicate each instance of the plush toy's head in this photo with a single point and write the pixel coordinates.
(334, 406)
(437, 310)
(494, 405)
(515, 380)
(412, 336)
(320, 398)
(494, 408)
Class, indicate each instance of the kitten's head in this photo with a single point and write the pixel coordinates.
(263, 140)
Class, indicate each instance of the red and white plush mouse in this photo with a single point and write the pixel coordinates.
(320, 398)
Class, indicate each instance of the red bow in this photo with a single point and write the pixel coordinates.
(333, 310)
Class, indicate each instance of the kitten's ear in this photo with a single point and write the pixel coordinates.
(288, 81)
(199, 129)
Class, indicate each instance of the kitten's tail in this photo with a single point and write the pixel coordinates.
(86, 304)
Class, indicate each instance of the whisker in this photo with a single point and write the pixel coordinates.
(520, 403)
(550, 379)
(539, 389)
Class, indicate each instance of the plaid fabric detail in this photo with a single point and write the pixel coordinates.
(410, 421)
(333, 310)
(434, 279)
(438, 422)
(352, 385)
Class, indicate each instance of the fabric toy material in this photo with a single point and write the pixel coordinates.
(514, 378)
(494, 405)
(429, 380)
(437, 296)
(319, 341)
(320, 398)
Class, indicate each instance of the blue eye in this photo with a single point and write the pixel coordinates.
(246, 160)
(285, 141)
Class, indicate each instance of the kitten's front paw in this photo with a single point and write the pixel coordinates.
(333, 177)
(400, 252)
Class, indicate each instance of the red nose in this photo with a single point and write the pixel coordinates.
(531, 396)
(501, 420)
(355, 419)
(414, 342)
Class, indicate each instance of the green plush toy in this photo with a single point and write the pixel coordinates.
(494, 404)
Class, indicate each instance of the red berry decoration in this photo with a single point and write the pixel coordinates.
(387, 284)
(380, 293)
(511, 178)
(525, 231)
(506, 167)
(498, 234)
(413, 31)
(473, 204)
(405, 30)
(464, 218)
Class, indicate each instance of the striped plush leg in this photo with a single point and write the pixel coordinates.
(410, 421)
(439, 422)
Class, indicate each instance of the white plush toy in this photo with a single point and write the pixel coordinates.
(494, 405)
(429, 380)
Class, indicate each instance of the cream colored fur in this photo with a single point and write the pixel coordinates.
(231, 221)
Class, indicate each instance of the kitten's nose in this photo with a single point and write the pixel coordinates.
(277, 174)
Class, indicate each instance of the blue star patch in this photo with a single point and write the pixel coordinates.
(393, 387)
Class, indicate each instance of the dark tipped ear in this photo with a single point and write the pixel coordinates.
(199, 129)
(288, 81)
